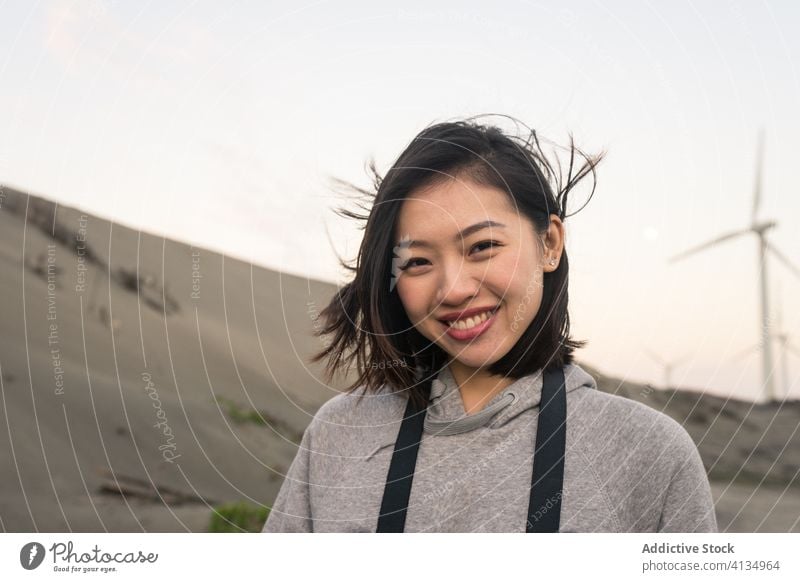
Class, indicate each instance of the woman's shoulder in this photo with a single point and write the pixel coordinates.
(645, 461)
(360, 410)
(637, 416)
(634, 429)
(353, 425)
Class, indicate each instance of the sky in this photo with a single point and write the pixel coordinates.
(223, 125)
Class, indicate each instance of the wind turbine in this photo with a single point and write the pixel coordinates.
(786, 348)
(668, 366)
(759, 228)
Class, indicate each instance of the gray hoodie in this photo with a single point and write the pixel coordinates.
(628, 468)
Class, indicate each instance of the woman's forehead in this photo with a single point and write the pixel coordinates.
(455, 202)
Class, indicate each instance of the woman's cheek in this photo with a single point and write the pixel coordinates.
(524, 299)
(410, 298)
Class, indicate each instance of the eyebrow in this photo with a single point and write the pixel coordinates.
(406, 244)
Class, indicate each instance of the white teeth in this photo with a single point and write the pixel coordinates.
(471, 322)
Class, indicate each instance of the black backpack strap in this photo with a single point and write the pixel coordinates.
(397, 492)
(544, 509)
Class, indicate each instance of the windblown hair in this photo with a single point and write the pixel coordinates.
(366, 321)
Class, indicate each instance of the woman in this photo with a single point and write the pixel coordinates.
(468, 413)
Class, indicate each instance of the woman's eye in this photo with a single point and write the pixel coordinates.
(491, 244)
(410, 264)
(481, 246)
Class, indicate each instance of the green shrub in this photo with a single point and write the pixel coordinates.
(243, 415)
(238, 517)
(239, 414)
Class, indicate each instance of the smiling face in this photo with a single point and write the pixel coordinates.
(464, 246)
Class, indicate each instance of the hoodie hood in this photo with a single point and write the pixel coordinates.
(446, 413)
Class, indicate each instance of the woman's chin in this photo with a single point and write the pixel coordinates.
(477, 360)
(474, 355)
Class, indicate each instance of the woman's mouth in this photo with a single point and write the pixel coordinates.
(470, 327)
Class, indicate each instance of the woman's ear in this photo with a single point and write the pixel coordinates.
(553, 244)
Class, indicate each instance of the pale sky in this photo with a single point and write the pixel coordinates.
(220, 124)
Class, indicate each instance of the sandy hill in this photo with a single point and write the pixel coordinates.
(136, 370)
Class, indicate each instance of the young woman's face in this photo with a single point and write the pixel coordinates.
(448, 265)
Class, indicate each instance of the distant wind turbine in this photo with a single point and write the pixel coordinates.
(759, 229)
(668, 366)
(786, 347)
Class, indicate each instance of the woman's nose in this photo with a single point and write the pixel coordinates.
(458, 284)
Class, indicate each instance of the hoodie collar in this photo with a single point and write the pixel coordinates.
(447, 412)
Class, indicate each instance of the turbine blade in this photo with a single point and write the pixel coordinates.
(681, 360)
(708, 244)
(783, 258)
(757, 188)
(655, 357)
(746, 352)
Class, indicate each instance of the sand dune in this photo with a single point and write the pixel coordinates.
(127, 358)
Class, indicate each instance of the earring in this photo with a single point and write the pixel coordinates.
(552, 261)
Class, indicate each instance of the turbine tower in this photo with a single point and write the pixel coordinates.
(759, 228)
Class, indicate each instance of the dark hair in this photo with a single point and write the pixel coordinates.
(366, 318)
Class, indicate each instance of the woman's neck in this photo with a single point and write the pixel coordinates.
(477, 386)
